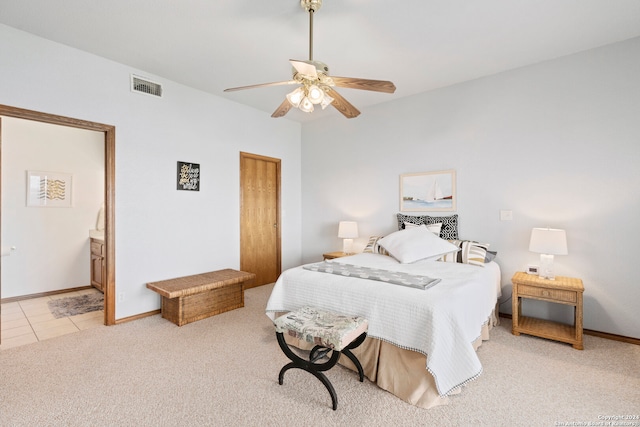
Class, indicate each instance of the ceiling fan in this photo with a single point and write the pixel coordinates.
(316, 85)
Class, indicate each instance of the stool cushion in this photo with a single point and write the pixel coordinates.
(320, 327)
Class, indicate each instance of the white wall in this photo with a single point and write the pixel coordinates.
(557, 143)
(160, 232)
(52, 244)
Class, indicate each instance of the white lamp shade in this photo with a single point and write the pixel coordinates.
(549, 241)
(315, 94)
(295, 97)
(348, 229)
(306, 105)
(326, 101)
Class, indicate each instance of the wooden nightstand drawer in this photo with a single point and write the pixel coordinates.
(551, 294)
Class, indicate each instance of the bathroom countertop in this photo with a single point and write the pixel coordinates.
(97, 234)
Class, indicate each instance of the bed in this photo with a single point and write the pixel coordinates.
(424, 328)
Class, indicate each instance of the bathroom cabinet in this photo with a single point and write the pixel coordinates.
(97, 264)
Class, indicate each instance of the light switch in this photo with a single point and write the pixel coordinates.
(506, 215)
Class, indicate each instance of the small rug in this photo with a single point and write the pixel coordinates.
(72, 306)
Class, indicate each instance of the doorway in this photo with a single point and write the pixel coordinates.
(109, 190)
(260, 239)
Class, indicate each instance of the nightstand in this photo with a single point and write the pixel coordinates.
(332, 255)
(562, 290)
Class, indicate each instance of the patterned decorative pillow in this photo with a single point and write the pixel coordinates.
(470, 252)
(374, 248)
(449, 230)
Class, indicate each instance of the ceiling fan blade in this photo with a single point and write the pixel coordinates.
(364, 84)
(304, 68)
(282, 109)
(289, 82)
(342, 105)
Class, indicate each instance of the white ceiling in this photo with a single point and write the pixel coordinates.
(418, 44)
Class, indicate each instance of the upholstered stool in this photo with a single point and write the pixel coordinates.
(330, 332)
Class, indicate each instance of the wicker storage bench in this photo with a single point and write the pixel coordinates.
(190, 298)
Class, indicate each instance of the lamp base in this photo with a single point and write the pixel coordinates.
(347, 246)
(546, 267)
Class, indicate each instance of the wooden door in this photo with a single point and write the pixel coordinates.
(260, 217)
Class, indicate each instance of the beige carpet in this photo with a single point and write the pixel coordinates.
(223, 371)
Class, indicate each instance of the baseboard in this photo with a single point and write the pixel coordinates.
(43, 294)
(137, 316)
(64, 291)
(606, 335)
(609, 336)
(599, 334)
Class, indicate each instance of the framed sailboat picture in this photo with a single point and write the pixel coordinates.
(428, 191)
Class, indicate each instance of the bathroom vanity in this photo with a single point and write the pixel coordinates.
(97, 263)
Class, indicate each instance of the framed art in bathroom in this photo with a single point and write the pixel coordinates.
(49, 189)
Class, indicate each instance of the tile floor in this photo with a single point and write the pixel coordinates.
(29, 321)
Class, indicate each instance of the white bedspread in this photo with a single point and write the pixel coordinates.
(440, 322)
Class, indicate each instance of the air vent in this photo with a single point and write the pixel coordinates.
(141, 85)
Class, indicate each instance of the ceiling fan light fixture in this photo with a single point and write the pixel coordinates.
(326, 101)
(306, 105)
(315, 83)
(315, 94)
(295, 97)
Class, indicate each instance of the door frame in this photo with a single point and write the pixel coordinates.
(277, 163)
(109, 190)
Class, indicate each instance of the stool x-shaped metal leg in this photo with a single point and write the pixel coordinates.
(317, 369)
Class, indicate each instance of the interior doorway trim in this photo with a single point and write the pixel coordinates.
(109, 191)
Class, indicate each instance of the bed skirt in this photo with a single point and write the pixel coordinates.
(401, 372)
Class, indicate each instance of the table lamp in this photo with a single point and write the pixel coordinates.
(347, 230)
(548, 242)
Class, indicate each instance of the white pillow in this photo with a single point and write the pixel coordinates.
(434, 228)
(415, 243)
